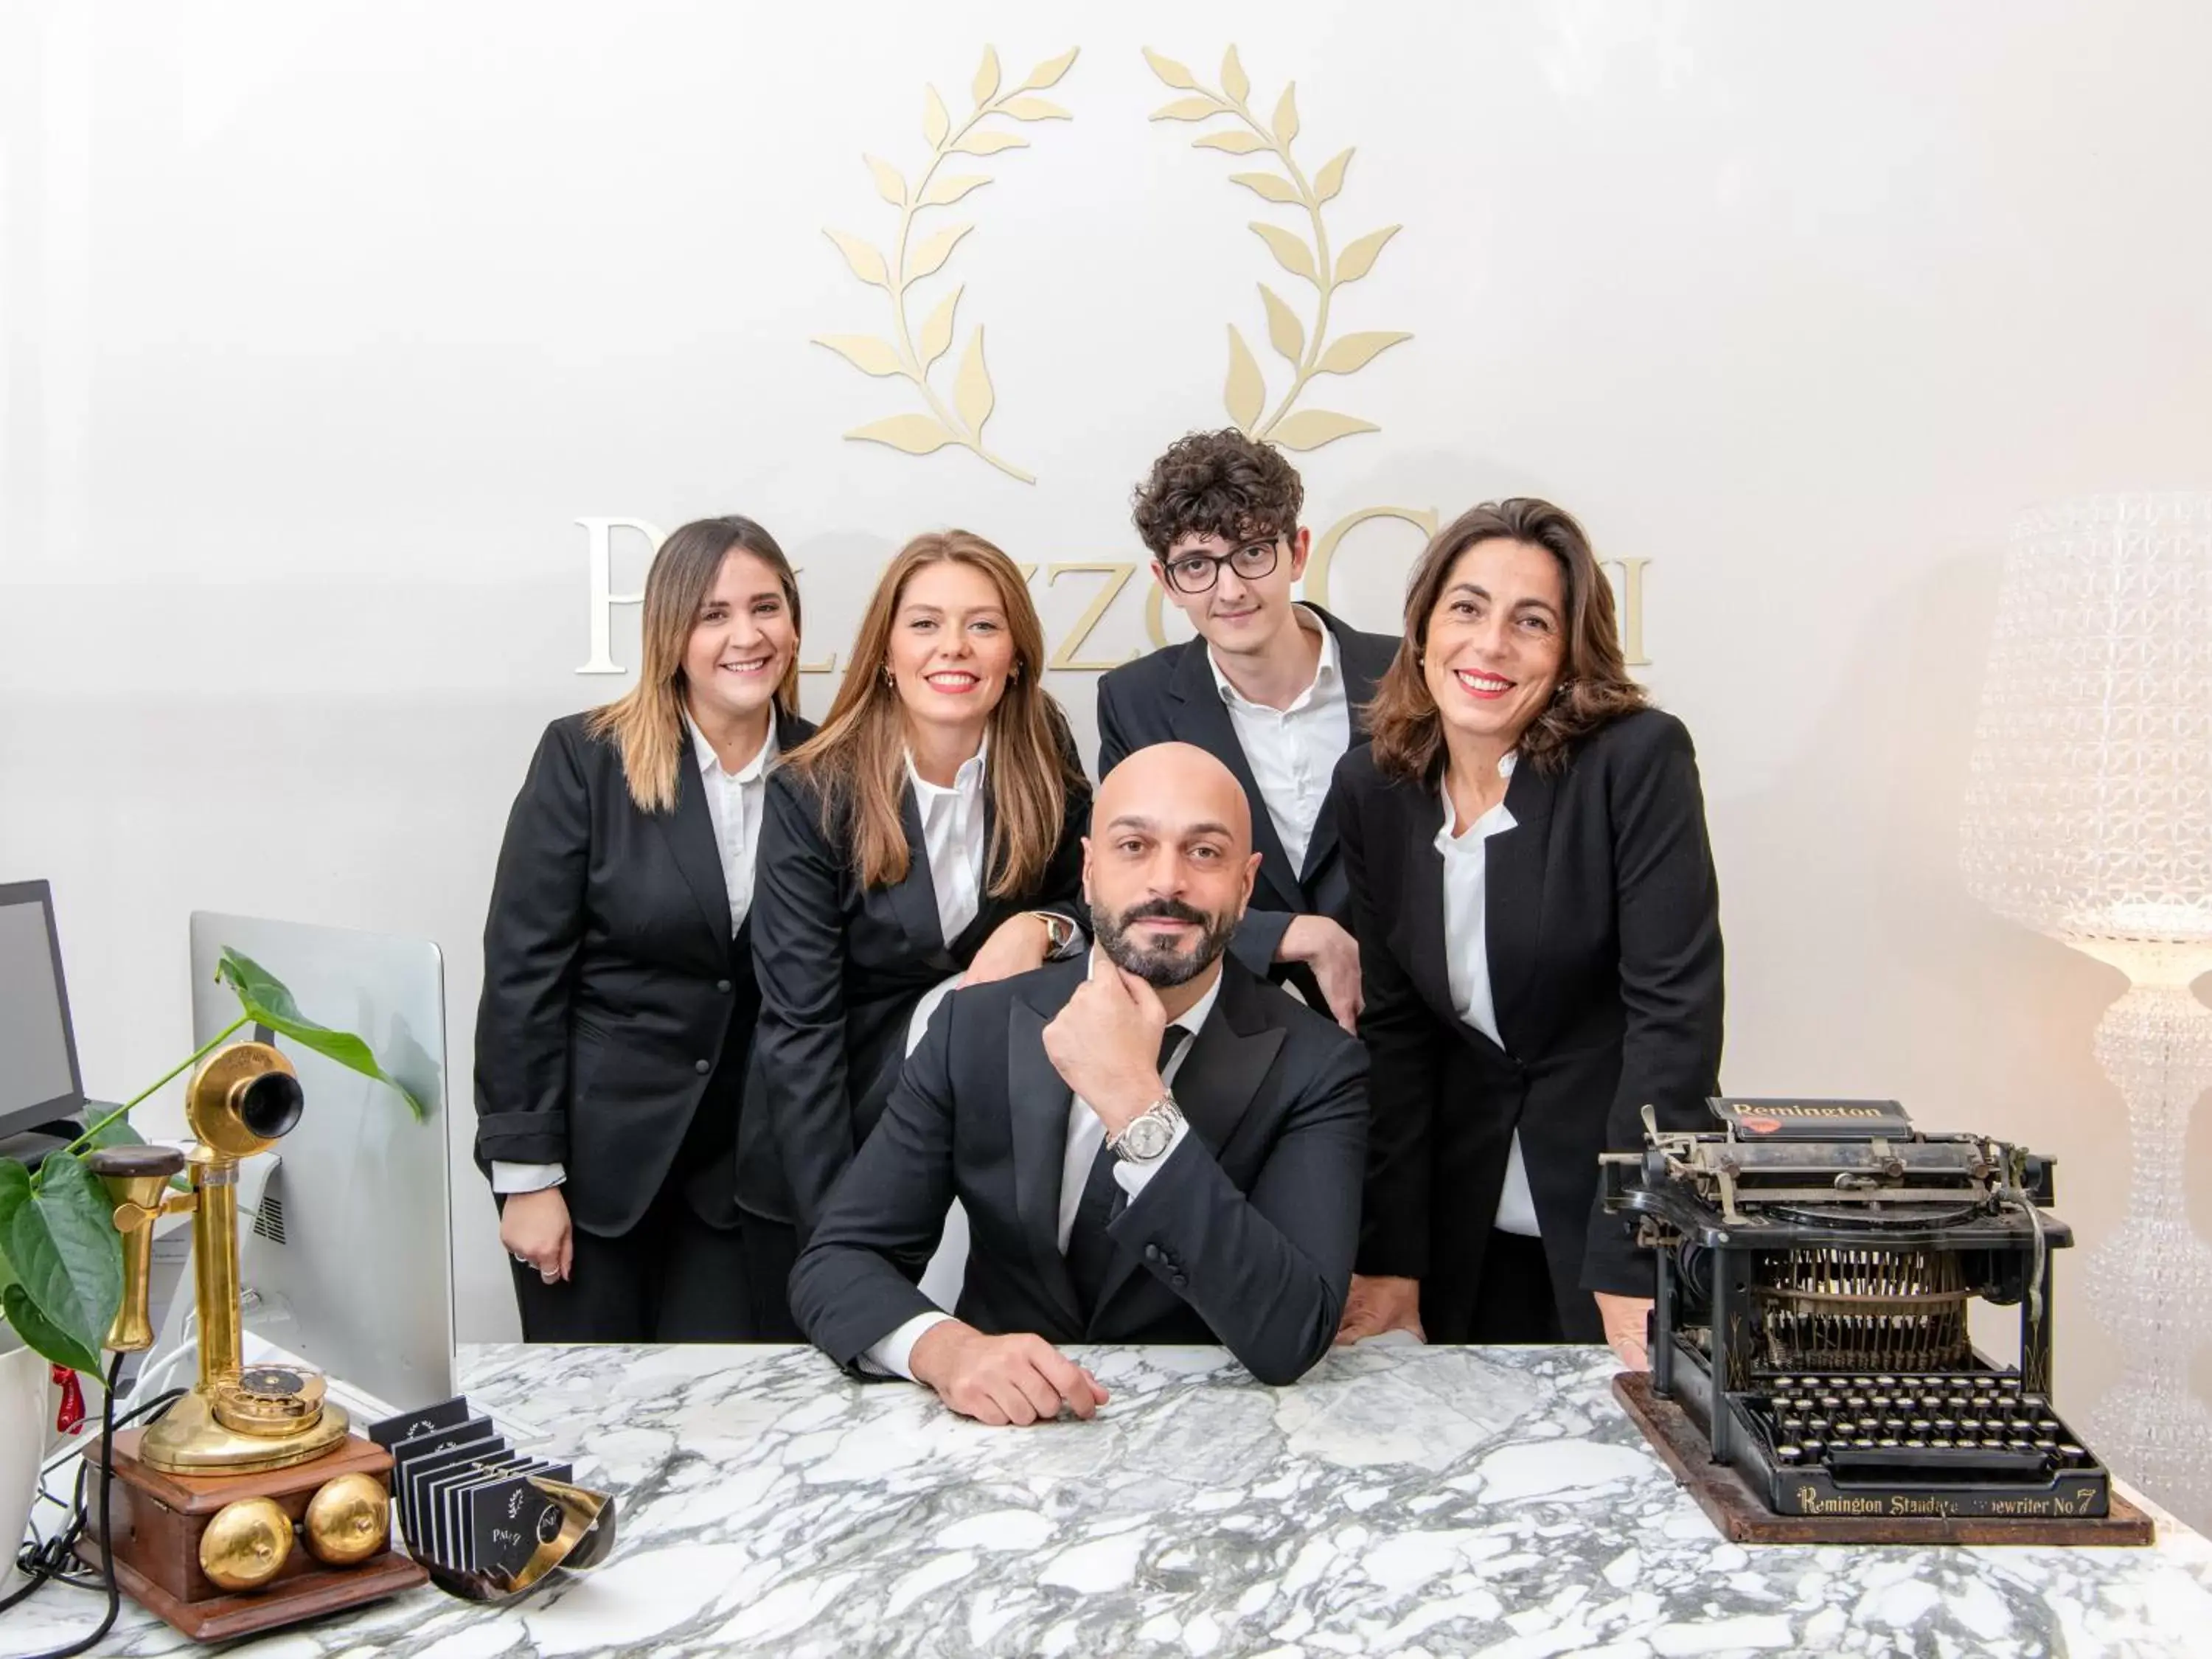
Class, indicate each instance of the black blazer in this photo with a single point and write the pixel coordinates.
(1244, 1236)
(841, 970)
(1169, 696)
(612, 991)
(1603, 922)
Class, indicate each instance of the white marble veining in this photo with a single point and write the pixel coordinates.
(1402, 1500)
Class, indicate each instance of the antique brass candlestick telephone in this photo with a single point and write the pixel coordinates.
(208, 1500)
(235, 1420)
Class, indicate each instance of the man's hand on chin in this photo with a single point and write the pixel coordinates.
(1002, 1379)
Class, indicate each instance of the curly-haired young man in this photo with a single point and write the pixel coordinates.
(1271, 686)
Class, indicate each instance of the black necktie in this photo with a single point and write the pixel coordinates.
(1089, 1249)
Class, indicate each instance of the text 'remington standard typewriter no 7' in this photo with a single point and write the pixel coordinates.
(1812, 1373)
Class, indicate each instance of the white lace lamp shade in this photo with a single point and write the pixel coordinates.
(2088, 816)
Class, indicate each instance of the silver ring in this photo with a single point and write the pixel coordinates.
(550, 1277)
(524, 1259)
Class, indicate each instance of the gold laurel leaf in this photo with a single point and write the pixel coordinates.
(937, 332)
(1356, 260)
(1235, 142)
(1309, 429)
(1187, 109)
(942, 192)
(867, 264)
(1287, 115)
(864, 351)
(1244, 393)
(917, 434)
(1171, 71)
(1330, 179)
(1355, 351)
(1234, 81)
(1267, 184)
(987, 77)
(1034, 109)
(931, 256)
(1293, 255)
(889, 183)
(1049, 72)
(989, 143)
(1285, 332)
(935, 123)
(971, 390)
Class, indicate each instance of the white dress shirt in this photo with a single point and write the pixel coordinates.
(1466, 961)
(734, 801)
(1293, 752)
(1086, 1134)
(952, 840)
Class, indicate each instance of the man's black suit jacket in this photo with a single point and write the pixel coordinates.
(1601, 914)
(841, 968)
(1244, 1236)
(613, 992)
(1170, 696)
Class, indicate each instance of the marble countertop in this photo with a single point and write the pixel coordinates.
(1400, 1500)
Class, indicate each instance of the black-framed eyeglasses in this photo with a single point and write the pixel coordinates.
(1196, 572)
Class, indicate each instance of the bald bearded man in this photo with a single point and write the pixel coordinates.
(1150, 1144)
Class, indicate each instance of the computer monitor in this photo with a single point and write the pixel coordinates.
(39, 1083)
(347, 1263)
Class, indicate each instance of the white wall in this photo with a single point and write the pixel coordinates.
(321, 326)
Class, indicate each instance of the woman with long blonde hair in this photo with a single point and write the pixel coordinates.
(619, 1003)
(931, 828)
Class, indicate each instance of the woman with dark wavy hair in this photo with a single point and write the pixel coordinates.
(1539, 942)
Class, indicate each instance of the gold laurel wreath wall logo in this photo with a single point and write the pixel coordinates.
(1310, 351)
(905, 354)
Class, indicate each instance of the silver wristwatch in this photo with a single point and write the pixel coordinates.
(1149, 1134)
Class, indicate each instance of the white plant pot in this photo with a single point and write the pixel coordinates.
(24, 1382)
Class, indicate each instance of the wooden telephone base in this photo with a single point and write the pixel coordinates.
(158, 1519)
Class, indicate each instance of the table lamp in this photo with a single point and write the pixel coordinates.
(2088, 816)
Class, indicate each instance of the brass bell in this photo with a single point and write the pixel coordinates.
(348, 1520)
(246, 1544)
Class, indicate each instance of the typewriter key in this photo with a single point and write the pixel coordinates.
(2034, 1402)
(1857, 1402)
(1787, 1453)
(1941, 1442)
(1864, 1443)
(1915, 1442)
(1946, 1426)
(2009, 1384)
(2047, 1425)
(1885, 1381)
(1889, 1442)
(1992, 1443)
(2046, 1445)
(2071, 1453)
(1814, 1448)
(2018, 1445)
(1919, 1426)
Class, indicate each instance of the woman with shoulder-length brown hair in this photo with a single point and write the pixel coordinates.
(1539, 943)
(618, 1001)
(933, 827)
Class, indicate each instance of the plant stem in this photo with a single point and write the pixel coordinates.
(1325, 277)
(144, 1094)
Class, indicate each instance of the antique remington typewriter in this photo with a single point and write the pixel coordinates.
(1815, 1263)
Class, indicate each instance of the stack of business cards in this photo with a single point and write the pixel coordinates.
(462, 1496)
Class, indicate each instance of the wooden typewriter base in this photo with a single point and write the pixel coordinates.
(158, 1518)
(1731, 1505)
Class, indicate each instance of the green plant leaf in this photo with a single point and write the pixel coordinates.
(267, 1002)
(118, 1134)
(64, 1256)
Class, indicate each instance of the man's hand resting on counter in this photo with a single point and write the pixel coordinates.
(1002, 1379)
